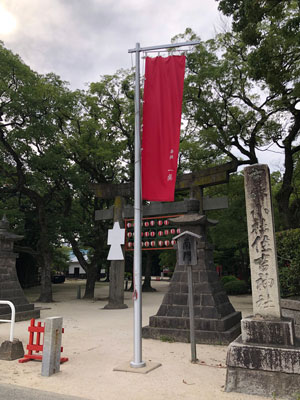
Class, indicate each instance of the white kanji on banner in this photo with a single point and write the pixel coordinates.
(116, 237)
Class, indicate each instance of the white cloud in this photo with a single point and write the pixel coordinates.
(83, 39)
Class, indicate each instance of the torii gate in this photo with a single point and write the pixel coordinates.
(194, 182)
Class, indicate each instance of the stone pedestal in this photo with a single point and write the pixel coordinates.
(11, 350)
(265, 359)
(10, 288)
(216, 321)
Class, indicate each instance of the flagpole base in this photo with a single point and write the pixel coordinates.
(137, 365)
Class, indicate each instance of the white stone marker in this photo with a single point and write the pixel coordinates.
(52, 346)
(262, 246)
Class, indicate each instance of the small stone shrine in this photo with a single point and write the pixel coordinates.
(215, 321)
(10, 288)
(265, 358)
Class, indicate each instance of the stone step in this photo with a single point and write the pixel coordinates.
(17, 299)
(19, 308)
(23, 315)
(183, 335)
(204, 324)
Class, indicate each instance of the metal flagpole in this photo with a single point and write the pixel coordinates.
(137, 288)
(137, 294)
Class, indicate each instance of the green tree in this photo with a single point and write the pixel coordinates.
(270, 33)
(101, 148)
(33, 111)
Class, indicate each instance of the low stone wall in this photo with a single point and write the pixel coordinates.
(291, 308)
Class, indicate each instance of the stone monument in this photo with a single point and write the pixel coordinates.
(215, 320)
(265, 358)
(10, 288)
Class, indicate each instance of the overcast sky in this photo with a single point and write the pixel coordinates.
(80, 40)
(83, 39)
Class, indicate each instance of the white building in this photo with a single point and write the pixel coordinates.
(75, 269)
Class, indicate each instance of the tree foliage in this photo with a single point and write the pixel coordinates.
(270, 32)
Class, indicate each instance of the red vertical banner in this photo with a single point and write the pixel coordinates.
(163, 91)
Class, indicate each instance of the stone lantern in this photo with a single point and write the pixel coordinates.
(10, 288)
(216, 321)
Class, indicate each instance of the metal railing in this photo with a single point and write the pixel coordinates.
(12, 320)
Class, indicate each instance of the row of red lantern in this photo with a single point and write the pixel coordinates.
(150, 223)
(160, 243)
(166, 232)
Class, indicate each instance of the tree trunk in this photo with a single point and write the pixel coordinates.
(147, 281)
(90, 269)
(284, 193)
(45, 258)
(91, 276)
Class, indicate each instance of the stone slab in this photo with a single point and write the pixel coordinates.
(263, 383)
(263, 357)
(290, 308)
(261, 238)
(126, 367)
(11, 350)
(263, 331)
(290, 304)
(52, 346)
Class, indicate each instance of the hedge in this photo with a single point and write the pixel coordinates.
(235, 287)
(288, 251)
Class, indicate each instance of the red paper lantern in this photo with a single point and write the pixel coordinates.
(146, 223)
(166, 222)
(172, 231)
(153, 243)
(166, 232)
(173, 242)
(146, 244)
(167, 242)
(130, 244)
(160, 223)
(146, 234)
(178, 230)
(160, 233)
(152, 234)
(152, 223)
(142, 234)
(129, 225)
(160, 243)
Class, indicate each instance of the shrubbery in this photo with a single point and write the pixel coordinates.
(288, 250)
(236, 286)
(228, 278)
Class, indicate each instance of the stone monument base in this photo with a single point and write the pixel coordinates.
(207, 331)
(265, 359)
(11, 350)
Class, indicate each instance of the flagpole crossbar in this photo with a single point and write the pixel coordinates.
(163, 46)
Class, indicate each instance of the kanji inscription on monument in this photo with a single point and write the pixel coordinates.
(262, 246)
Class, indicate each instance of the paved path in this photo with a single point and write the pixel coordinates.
(12, 392)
